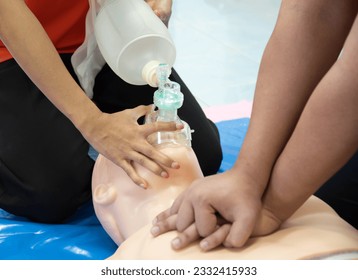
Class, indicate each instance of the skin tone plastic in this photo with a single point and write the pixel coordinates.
(126, 212)
(123, 208)
(315, 231)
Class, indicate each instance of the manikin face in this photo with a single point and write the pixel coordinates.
(123, 207)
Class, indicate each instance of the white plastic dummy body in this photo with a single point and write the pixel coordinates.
(123, 207)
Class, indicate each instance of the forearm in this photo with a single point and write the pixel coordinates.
(324, 140)
(25, 38)
(305, 43)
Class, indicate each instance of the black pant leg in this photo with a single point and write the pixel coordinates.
(45, 170)
(341, 191)
(112, 94)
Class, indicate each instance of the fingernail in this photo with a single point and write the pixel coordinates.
(155, 230)
(142, 185)
(175, 165)
(164, 174)
(176, 243)
(179, 126)
(204, 245)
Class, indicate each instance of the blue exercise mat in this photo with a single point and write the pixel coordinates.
(82, 236)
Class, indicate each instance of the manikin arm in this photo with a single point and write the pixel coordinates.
(29, 44)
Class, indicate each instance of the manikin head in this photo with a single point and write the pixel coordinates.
(123, 207)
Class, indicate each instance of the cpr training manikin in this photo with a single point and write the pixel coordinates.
(126, 210)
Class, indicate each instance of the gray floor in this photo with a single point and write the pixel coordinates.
(219, 46)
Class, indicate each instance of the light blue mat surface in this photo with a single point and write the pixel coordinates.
(82, 236)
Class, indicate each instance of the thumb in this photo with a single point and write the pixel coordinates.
(205, 220)
(241, 230)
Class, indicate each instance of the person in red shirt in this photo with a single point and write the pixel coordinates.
(47, 122)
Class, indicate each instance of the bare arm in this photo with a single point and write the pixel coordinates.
(325, 138)
(117, 136)
(28, 42)
(305, 43)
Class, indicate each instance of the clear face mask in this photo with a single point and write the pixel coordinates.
(168, 99)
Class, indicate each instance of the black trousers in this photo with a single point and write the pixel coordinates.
(341, 192)
(45, 170)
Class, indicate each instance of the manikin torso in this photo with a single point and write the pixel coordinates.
(126, 212)
(315, 231)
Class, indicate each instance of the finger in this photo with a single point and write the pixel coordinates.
(148, 163)
(240, 231)
(189, 235)
(177, 203)
(215, 239)
(164, 226)
(161, 216)
(205, 219)
(152, 159)
(173, 210)
(151, 128)
(131, 172)
(220, 220)
(185, 216)
(140, 111)
(163, 15)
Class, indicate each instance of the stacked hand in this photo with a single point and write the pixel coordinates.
(223, 209)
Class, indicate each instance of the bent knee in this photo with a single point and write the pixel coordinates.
(45, 201)
(56, 207)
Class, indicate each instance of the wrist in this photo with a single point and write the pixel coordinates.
(257, 174)
(267, 223)
(255, 185)
(85, 120)
(83, 113)
(285, 193)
